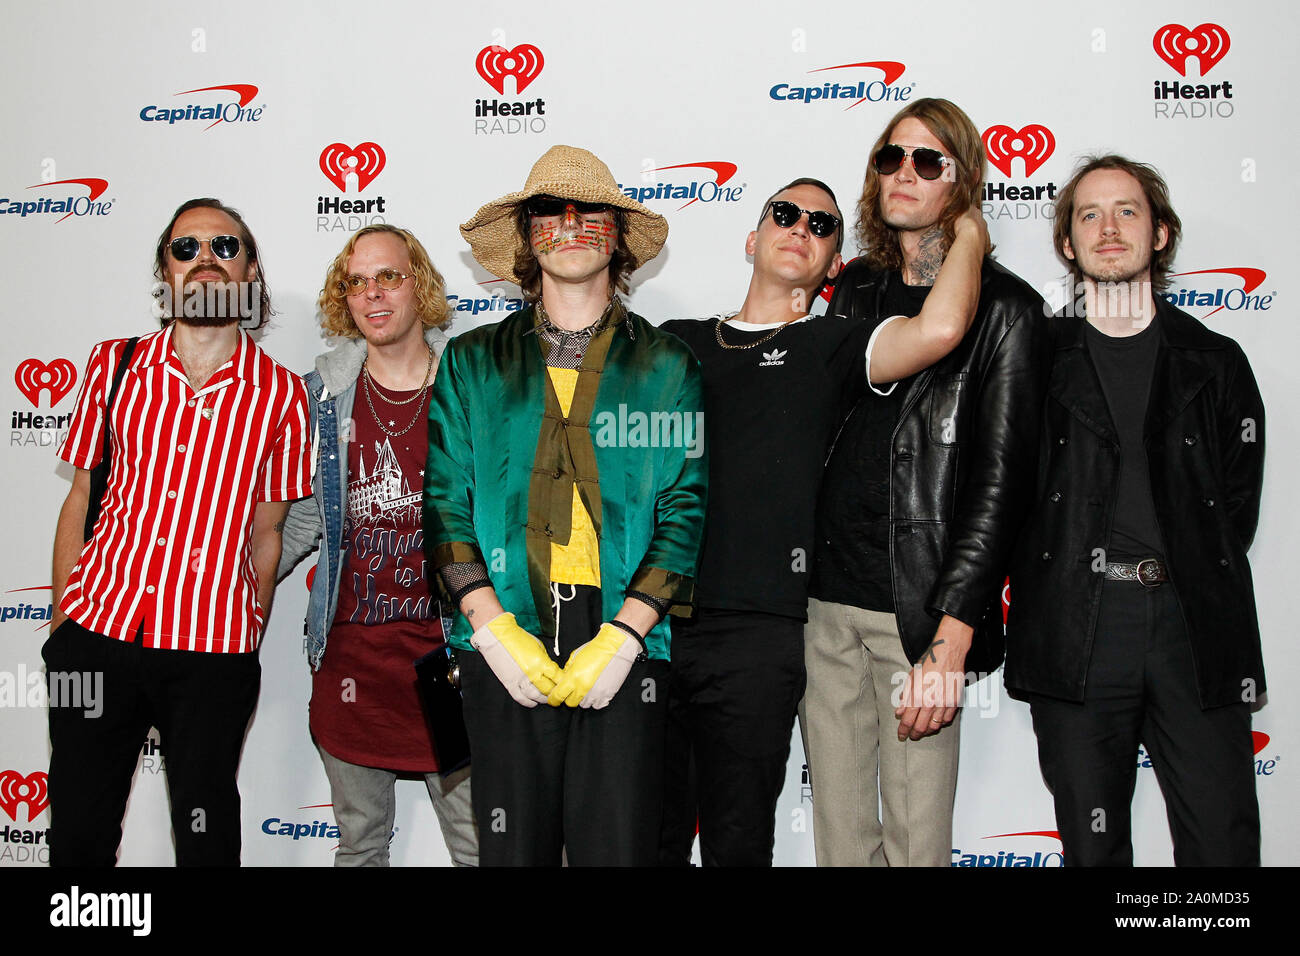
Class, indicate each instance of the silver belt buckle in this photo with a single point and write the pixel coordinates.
(1155, 570)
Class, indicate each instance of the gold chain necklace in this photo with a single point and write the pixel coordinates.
(367, 382)
(717, 331)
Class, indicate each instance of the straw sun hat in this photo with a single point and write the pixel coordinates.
(565, 172)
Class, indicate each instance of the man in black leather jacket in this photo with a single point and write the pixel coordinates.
(1132, 609)
(922, 500)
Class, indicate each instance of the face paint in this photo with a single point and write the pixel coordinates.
(596, 230)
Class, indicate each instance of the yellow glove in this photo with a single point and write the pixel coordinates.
(596, 670)
(517, 658)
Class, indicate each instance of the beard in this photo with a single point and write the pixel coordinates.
(210, 303)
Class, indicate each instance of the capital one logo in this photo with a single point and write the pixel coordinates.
(31, 790)
(337, 160)
(1221, 297)
(495, 63)
(34, 376)
(1259, 741)
(1033, 143)
(1174, 43)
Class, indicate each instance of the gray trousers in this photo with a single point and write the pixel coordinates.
(364, 807)
(856, 764)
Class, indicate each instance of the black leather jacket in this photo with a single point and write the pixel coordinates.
(1204, 437)
(962, 460)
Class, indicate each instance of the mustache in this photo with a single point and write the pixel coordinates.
(207, 267)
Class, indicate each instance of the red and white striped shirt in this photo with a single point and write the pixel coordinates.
(172, 548)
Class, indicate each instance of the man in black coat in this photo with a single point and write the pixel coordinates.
(920, 506)
(1132, 610)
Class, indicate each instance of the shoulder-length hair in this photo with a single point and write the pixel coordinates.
(949, 124)
(430, 290)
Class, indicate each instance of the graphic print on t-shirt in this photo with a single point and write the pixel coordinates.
(384, 496)
(383, 572)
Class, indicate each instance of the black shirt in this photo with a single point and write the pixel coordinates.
(1125, 366)
(852, 565)
(770, 414)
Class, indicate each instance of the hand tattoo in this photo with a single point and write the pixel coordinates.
(930, 650)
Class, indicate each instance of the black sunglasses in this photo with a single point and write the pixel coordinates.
(185, 248)
(820, 223)
(554, 206)
(928, 163)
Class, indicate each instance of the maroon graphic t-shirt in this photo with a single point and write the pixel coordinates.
(364, 705)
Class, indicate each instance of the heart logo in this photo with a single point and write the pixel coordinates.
(31, 790)
(1032, 143)
(366, 160)
(495, 63)
(1174, 43)
(33, 376)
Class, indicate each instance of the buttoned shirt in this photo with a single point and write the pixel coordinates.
(171, 551)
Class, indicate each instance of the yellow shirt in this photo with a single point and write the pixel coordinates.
(577, 562)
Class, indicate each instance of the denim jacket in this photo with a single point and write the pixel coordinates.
(331, 389)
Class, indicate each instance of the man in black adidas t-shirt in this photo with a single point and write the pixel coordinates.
(777, 383)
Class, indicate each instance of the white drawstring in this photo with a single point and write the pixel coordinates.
(556, 600)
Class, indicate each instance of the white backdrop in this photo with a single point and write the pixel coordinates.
(704, 99)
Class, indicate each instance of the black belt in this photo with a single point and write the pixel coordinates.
(1149, 572)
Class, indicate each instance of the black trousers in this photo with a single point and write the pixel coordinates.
(556, 782)
(201, 704)
(1141, 687)
(737, 682)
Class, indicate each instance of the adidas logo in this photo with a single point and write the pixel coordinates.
(774, 357)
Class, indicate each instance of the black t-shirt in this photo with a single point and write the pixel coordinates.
(1125, 367)
(770, 414)
(852, 564)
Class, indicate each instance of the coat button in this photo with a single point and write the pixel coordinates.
(1190, 439)
(1063, 440)
(556, 473)
(1208, 502)
(1223, 562)
(1047, 556)
(1055, 496)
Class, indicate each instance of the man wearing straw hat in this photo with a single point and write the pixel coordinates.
(564, 498)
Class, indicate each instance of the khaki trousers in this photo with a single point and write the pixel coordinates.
(857, 766)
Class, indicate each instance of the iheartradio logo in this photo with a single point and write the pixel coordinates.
(1174, 43)
(495, 63)
(337, 161)
(34, 376)
(32, 790)
(1033, 143)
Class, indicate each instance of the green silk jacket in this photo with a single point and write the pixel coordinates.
(503, 462)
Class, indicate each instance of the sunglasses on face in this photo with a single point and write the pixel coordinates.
(552, 206)
(928, 163)
(185, 248)
(820, 223)
(386, 279)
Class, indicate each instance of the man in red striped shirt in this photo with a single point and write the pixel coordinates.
(160, 611)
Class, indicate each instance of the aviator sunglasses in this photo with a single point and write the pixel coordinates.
(820, 223)
(553, 206)
(928, 163)
(185, 248)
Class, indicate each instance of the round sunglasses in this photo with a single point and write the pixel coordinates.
(185, 248)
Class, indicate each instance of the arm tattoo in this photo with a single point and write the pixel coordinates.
(278, 527)
(930, 256)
